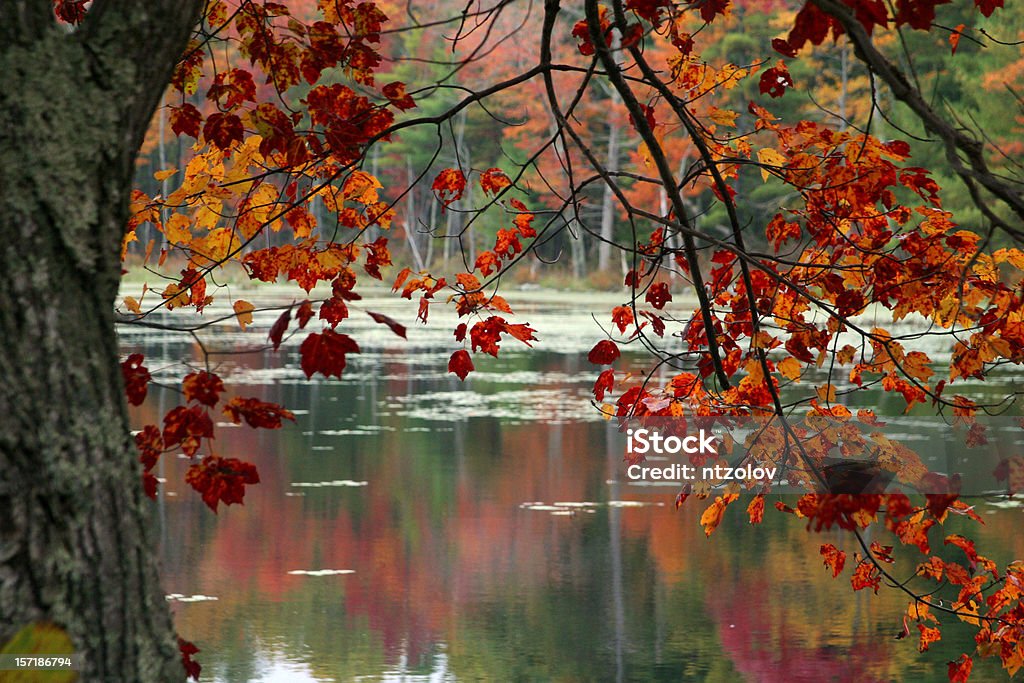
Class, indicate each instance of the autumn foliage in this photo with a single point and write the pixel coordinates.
(282, 119)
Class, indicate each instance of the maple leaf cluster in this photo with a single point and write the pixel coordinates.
(217, 479)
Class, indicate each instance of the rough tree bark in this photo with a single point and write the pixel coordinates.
(75, 549)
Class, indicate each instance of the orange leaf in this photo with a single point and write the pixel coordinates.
(756, 509)
(789, 368)
(929, 635)
(712, 516)
(622, 316)
(493, 180)
(960, 670)
(835, 559)
(449, 185)
(243, 311)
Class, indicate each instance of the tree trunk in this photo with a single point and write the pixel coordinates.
(75, 547)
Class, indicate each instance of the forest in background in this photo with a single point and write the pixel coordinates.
(958, 73)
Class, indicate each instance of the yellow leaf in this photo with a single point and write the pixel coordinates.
(243, 309)
(132, 305)
(769, 157)
(1014, 256)
(846, 354)
(645, 155)
(165, 174)
(218, 245)
(827, 393)
(790, 368)
(39, 639)
(175, 296)
(176, 229)
(209, 214)
(916, 364)
(129, 236)
(723, 117)
(993, 347)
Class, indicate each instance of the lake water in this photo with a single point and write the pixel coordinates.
(411, 527)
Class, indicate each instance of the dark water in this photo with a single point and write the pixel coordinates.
(483, 532)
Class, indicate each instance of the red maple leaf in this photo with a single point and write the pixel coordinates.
(395, 92)
(835, 558)
(187, 426)
(204, 387)
(658, 295)
(622, 316)
(461, 364)
(185, 120)
(192, 667)
(987, 7)
(136, 378)
(73, 11)
(605, 382)
(257, 413)
(278, 328)
(325, 353)
(221, 480)
(334, 310)
(304, 313)
(395, 326)
(775, 80)
(150, 445)
(223, 130)
(604, 353)
(960, 670)
(486, 335)
(487, 262)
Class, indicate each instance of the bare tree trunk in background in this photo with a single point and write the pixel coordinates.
(604, 248)
(410, 216)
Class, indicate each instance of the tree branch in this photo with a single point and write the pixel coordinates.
(667, 178)
(954, 139)
(150, 35)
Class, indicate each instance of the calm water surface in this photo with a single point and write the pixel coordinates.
(411, 527)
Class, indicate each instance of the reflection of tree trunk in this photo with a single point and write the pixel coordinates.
(614, 458)
(604, 249)
(76, 538)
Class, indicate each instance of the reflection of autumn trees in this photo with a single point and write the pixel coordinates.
(444, 554)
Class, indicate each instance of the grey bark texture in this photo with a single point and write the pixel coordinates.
(75, 546)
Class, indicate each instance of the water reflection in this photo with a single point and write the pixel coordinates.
(413, 528)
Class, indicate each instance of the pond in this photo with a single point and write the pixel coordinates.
(411, 527)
